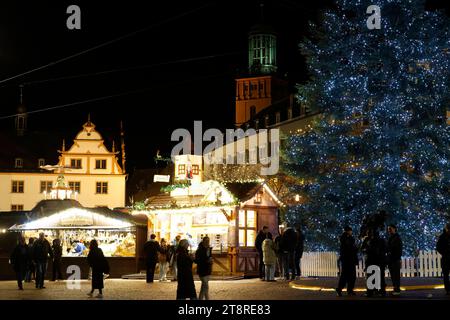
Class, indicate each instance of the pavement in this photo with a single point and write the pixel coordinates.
(243, 289)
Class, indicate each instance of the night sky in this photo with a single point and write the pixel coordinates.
(173, 95)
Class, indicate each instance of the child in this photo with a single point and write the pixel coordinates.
(270, 259)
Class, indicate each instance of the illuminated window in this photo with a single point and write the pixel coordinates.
(41, 162)
(75, 163)
(100, 164)
(75, 186)
(195, 169)
(46, 186)
(247, 228)
(18, 163)
(181, 169)
(102, 187)
(258, 197)
(17, 207)
(17, 186)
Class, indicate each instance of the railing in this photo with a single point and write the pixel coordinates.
(325, 264)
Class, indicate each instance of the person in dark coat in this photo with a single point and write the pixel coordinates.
(204, 261)
(288, 244)
(19, 260)
(31, 269)
(41, 251)
(443, 247)
(279, 253)
(374, 249)
(262, 235)
(99, 266)
(151, 249)
(186, 286)
(394, 257)
(57, 254)
(348, 260)
(298, 249)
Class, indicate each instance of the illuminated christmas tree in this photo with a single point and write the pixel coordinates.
(383, 142)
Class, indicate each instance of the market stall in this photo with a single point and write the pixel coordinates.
(120, 235)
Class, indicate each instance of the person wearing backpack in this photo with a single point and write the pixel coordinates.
(99, 265)
(41, 251)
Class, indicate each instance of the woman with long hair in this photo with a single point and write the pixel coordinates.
(186, 286)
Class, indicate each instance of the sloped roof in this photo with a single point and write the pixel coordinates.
(166, 201)
(48, 208)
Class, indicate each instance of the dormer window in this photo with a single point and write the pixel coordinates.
(18, 163)
(41, 162)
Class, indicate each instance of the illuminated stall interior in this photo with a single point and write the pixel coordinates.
(76, 226)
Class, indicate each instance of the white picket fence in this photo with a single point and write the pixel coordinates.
(325, 264)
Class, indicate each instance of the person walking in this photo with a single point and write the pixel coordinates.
(31, 268)
(374, 249)
(262, 235)
(443, 247)
(163, 261)
(41, 251)
(185, 286)
(288, 244)
(298, 250)
(173, 256)
(394, 257)
(348, 260)
(57, 254)
(270, 259)
(204, 261)
(20, 259)
(151, 249)
(99, 266)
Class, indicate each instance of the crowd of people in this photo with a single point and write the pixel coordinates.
(381, 253)
(280, 255)
(30, 260)
(176, 257)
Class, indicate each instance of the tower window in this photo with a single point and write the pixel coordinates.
(181, 169)
(17, 207)
(195, 169)
(18, 163)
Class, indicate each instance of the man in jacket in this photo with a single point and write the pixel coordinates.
(288, 244)
(394, 257)
(262, 235)
(41, 251)
(348, 259)
(298, 249)
(151, 249)
(374, 249)
(443, 247)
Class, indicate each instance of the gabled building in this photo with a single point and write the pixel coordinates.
(32, 168)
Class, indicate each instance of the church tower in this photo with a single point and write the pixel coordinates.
(20, 120)
(260, 87)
